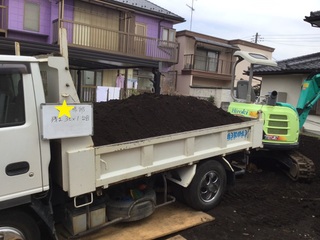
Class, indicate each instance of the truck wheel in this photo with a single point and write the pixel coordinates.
(207, 186)
(18, 225)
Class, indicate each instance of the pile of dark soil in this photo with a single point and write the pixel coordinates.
(149, 115)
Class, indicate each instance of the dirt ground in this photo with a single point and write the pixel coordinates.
(267, 205)
(262, 205)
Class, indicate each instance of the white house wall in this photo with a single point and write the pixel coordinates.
(290, 84)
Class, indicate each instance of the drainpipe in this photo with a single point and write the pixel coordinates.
(159, 26)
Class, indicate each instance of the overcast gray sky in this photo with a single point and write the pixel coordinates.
(279, 23)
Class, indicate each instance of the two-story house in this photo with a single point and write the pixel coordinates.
(113, 43)
(205, 65)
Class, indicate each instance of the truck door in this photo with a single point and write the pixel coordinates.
(20, 162)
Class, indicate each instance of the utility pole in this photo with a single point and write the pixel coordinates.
(192, 9)
(256, 38)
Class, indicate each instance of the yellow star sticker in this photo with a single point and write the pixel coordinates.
(64, 109)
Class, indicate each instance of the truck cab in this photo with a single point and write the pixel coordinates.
(25, 158)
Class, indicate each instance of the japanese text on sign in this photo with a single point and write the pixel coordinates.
(78, 121)
(237, 134)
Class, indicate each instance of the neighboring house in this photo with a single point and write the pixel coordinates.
(287, 78)
(205, 65)
(107, 39)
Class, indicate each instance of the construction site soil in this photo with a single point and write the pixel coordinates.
(263, 204)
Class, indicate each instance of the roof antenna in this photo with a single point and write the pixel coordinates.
(192, 9)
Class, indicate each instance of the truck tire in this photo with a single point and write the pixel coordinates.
(207, 186)
(18, 225)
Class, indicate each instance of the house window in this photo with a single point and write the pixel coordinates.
(206, 60)
(168, 35)
(31, 19)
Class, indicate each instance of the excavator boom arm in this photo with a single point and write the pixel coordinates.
(310, 94)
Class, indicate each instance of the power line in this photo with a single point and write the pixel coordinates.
(285, 38)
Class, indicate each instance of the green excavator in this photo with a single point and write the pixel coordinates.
(282, 121)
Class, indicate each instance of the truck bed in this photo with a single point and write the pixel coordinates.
(115, 163)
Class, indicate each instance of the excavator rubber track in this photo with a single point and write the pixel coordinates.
(297, 166)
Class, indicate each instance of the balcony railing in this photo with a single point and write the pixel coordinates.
(214, 65)
(103, 39)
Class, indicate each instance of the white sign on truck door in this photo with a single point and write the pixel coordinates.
(65, 121)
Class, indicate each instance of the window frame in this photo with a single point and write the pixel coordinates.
(166, 34)
(207, 65)
(13, 109)
(33, 23)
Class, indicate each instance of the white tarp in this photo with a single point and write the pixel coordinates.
(107, 93)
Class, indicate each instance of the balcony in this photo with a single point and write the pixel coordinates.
(117, 42)
(207, 67)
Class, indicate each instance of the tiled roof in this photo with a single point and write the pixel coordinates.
(315, 14)
(313, 19)
(303, 64)
(149, 6)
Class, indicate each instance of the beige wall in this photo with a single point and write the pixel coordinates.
(183, 84)
(186, 47)
(210, 83)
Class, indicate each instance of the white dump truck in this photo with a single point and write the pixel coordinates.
(51, 172)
